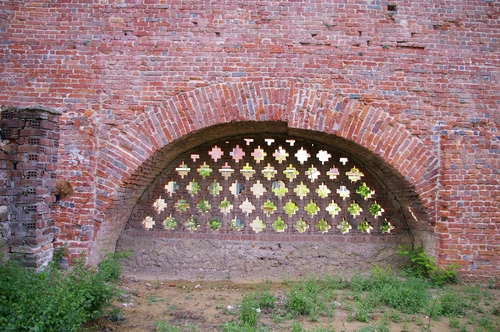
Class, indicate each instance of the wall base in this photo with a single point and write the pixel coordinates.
(212, 259)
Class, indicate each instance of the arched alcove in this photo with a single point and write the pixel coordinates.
(132, 158)
(170, 230)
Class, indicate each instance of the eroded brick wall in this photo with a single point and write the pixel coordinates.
(413, 82)
(28, 161)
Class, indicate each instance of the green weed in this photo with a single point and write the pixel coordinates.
(422, 265)
(115, 315)
(52, 300)
(238, 327)
(454, 323)
(296, 327)
(248, 314)
(409, 295)
(164, 326)
(451, 304)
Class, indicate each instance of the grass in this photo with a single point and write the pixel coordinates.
(54, 300)
(379, 299)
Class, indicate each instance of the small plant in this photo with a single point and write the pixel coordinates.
(279, 189)
(57, 256)
(333, 209)
(301, 190)
(170, 222)
(311, 208)
(110, 267)
(365, 227)
(424, 266)
(296, 327)
(115, 315)
(157, 284)
(214, 188)
(182, 205)
(247, 171)
(290, 208)
(343, 192)
(452, 304)
(323, 191)
(269, 172)
(279, 225)
(268, 207)
(344, 227)
(291, 173)
(193, 187)
(322, 226)
(204, 170)
(235, 224)
(375, 209)
(354, 174)
(50, 300)
(364, 191)
(203, 206)
(354, 209)
(301, 226)
(164, 326)
(386, 227)
(214, 223)
(385, 46)
(224, 205)
(192, 223)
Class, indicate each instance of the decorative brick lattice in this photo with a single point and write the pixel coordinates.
(268, 185)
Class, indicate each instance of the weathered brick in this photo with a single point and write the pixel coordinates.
(131, 104)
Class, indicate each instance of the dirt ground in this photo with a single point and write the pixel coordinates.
(206, 306)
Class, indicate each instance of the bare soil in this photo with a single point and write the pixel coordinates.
(207, 306)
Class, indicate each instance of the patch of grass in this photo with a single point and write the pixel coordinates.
(396, 294)
(496, 310)
(382, 326)
(333, 282)
(422, 265)
(164, 326)
(454, 323)
(296, 327)
(237, 327)
(248, 315)
(451, 304)
(191, 327)
(302, 298)
(407, 294)
(55, 301)
(110, 267)
(395, 316)
(252, 304)
(150, 299)
(115, 315)
(486, 324)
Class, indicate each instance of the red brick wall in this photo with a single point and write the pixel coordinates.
(28, 163)
(414, 82)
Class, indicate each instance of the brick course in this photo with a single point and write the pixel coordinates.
(412, 86)
(27, 193)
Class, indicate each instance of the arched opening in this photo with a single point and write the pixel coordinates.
(334, 206)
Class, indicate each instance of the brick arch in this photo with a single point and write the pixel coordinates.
(132, 157)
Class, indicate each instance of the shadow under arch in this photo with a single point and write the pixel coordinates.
(151, 242)
(370, 135)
